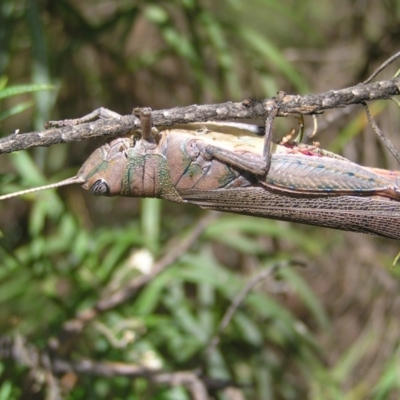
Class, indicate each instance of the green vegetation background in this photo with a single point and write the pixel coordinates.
(328, 330)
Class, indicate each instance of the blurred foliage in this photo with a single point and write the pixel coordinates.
(326, 331)
(15, 91)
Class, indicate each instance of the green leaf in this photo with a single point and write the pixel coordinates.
(22, 89)
(270, 54)
(305, 293)
(15, 110)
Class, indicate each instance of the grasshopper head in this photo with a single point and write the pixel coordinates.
(103, 171)
(101, 174)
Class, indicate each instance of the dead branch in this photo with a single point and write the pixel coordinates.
(248, 109)
(25, 354)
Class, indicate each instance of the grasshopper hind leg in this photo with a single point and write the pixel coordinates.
(254, 165)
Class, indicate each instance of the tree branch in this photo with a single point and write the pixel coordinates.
(248, 109)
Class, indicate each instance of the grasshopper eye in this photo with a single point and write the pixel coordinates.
(100, 188)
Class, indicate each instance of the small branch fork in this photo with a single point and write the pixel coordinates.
(240, 297)
(237, 301)
(111, 124)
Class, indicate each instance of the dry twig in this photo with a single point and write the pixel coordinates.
(248, 109)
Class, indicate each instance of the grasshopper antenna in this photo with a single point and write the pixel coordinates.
(70, 181)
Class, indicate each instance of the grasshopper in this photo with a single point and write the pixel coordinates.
(221, 167)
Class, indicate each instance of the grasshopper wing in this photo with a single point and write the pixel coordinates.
(371, 215)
